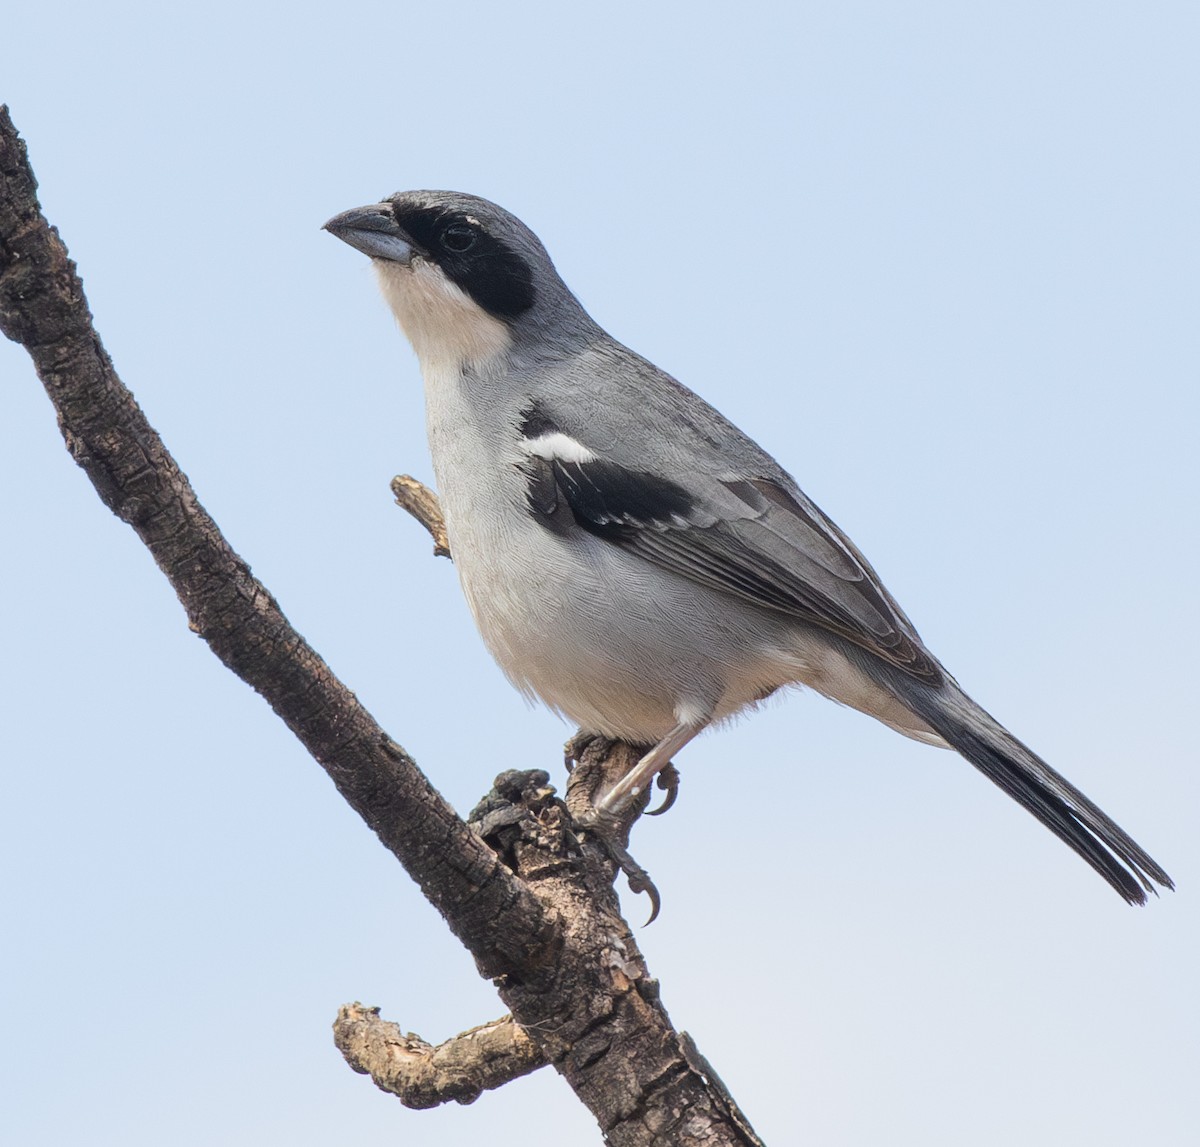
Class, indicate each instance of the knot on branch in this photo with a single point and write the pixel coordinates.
(528, 827)
(516, 795)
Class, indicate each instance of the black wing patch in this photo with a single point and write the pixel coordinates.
(616, 503)
(605, 498)
(778, 555)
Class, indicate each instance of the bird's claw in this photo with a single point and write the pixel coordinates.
(639, 881)
(605, 829)
(574, 749)
(638, 878)
(668, 781)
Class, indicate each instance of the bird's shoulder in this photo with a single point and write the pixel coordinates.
(640, 416)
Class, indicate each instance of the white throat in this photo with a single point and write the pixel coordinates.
(446, 327)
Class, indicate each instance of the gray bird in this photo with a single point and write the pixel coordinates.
(632, 558)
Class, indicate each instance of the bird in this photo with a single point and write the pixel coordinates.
(634, 560)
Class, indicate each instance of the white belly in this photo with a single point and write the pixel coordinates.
(601, 636)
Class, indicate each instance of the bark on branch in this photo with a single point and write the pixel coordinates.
(532, 901)
(42, 306)
(422, 503)
(422, 1075)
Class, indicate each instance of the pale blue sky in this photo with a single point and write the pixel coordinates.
(941, 259)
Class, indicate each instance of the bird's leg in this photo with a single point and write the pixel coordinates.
(605, 819)
(632, 783)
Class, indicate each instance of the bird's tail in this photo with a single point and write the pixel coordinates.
(1032, 783)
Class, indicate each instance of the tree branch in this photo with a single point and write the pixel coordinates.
(532, 902)
(42, 306)
(420, 501)
(422, 1075)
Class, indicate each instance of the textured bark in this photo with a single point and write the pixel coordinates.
(421, 1075)
(596, 1011)
(423, 504)
(532, 902)
(42, 306)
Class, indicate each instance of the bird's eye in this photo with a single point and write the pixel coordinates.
(458, 237)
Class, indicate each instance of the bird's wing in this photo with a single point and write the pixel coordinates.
(753, 535)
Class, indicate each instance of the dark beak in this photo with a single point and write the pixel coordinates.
(373, 231)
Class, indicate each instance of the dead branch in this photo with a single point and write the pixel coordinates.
(42, 306)
(420, 501)
(422, 1075)
(532, 902)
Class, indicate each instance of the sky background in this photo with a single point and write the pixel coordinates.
(940, 259)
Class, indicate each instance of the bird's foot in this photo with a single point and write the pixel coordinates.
(601, 763)
(609, 829)
(574, 749)
(668, 781)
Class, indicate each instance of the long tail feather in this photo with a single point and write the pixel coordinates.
(1062, 808)
(1032, 783)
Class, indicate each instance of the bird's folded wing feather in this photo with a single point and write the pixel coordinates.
(753, 535)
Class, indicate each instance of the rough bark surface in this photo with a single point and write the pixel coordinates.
(614, 1043)
(532, 901)
(421, 1075)
(422, 503)
(42, 306)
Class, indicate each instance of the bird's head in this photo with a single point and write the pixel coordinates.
(464, 277)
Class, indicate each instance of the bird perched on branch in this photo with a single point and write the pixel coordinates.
(632, 558)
